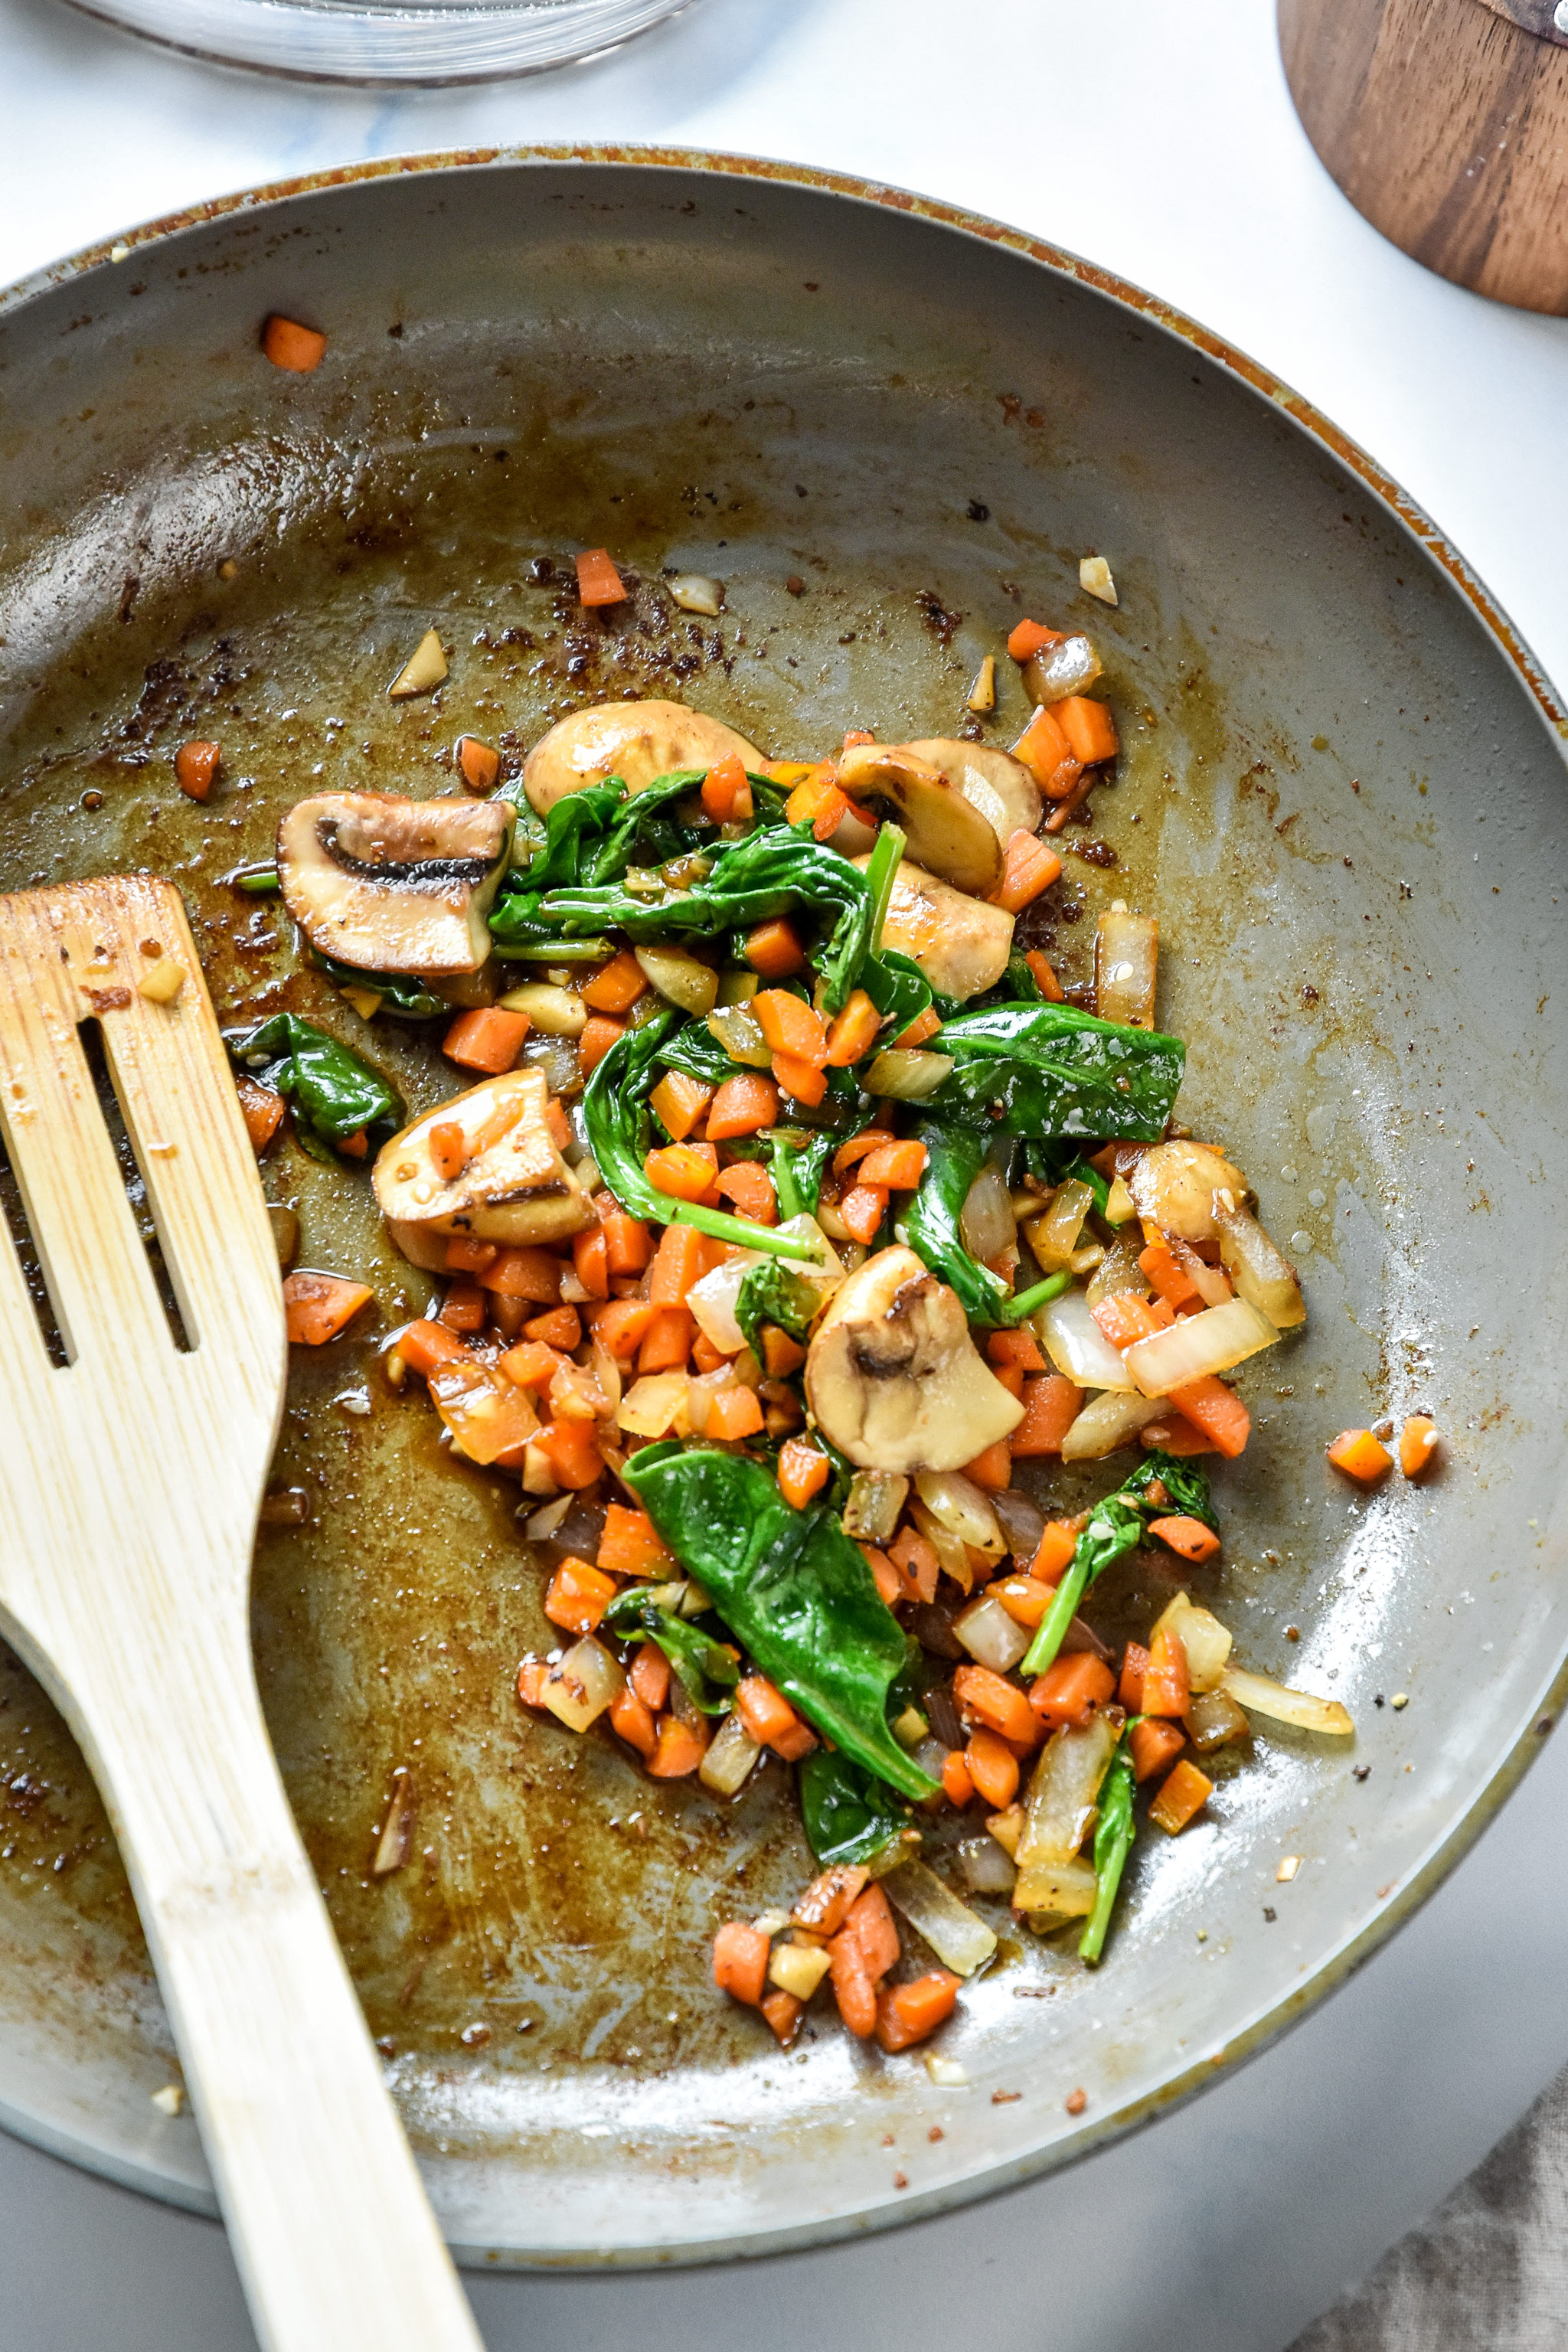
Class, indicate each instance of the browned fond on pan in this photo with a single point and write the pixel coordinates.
(1329, 765)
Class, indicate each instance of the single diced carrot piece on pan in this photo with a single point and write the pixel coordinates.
(598, 582)
(1357, 1453)
(740, 1962)
(318, 1306)
(1185, 1793)
(487, 1039)
(1417, 1444)
(290, 345)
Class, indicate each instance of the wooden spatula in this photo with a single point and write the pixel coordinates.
(131, 1479)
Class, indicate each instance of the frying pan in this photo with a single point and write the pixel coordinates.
(889, 428)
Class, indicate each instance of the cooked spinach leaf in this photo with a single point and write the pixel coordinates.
(1055, 1071)
(1112, 1844)
(400, 991)
(335, 1093)
(568, 835)
(794, 1590)
(955, 1153)
(896, 987)
(797, 1171)
(707, 1673)
(849, 1815)
(649, 830)
(1116, 1525)
(774, 1293)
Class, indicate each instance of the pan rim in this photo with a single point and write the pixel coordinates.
(889, 2211)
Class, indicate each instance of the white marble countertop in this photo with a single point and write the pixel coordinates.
(1239, 2217)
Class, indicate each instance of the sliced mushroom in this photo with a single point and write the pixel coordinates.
(893, 1378)
(960, 943)
(394, 885)
(996, 783)
(635, 740)
(513, 1187)
(1173, 1185)
(947, 835)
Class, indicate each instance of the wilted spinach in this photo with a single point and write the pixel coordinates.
(775, 1293)
(400, 991)
(707, 1673)
(1116, 1525)
(1050, 1070)
(849, 1815)
(335, 1093)
(1112, 1844)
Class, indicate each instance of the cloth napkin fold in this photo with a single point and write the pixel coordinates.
(1489, 2272)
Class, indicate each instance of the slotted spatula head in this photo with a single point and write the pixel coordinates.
(132, 1478)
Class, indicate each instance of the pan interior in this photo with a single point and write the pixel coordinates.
(889, 439)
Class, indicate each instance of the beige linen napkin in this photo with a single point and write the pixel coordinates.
(1489, 2272)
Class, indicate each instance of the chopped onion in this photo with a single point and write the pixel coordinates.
(986, 1224)
(1051, 1893)
(557, 1057)
(1094, 578)
(1198, 1344)
(695, 592)
(729, 1759)
(907, 1073)
(1057, 671)
(607, 1376)
(957, 1503)
(946, 2072)
(1207, 1642)
(875, 1500)
(655, 1403)
(701, 1392)
(1119, 1274)
(579, 1689)
(1174, 1186)
(551, 1012)
(1076, 1346)
(487, 1414)
(1126, 956)
(950, 1556)
(712, 1300)
(1021, 1521)
(1062, 1795)
(1261, 1697)
(1110, 1420)
(987, 1868)
(990, 1637)
(541, 1524)
(1119, 1209)
(1262, 1277)
(740, 1032)
(1212, 1285)
(680, 978)
(1007, 1829)
(1054, 1237)
(959, 1940)
(1213, 1720)
(797, 1969)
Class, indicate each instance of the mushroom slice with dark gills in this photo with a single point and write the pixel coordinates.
(391, 884)
(894, 1379)
(482, 1167)
(948, 836)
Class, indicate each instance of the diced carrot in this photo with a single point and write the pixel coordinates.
(957, 1785)
(784, 2013)
(525, 1270)
(1216, 1409)
(290, 345)
(478, 763)
(1011, 1377)
(924, 1025)
(908, 2013)
(791, 1746)
(859, 1147)
(734, 1413)
(1051, 1404)
(599, 1033)
(749, 1185)
(853, 1032)
(740, 1962)
(1190, 1538)
(680, 1170)
(790, 1026)
(741, 1106)
(463, 1309)
(633, 1721)
(616, 985)
(824, 1906)
(448, 1149)
(1045, 979)
(1168, 1276)
(628, 1244)
(651, 1672)
(317, 1307)
(727, 790)
(487, 1039)
(558, 1127)
(1357, 1453)
(562, 1328)
(1134, 1666)
(899, 1166)
(195, 768)
(631, 1545)
(590, 1262)
(870, 1921)
(803, 1082)
(814, 788)
(262, 1111)
(1090, 728)
(1124, 1319)
(781, 1354)
(711, 1253)
(677, 1265)
(1167, 1688)
(668, 1341)
(774, 950)
(884, 1575)
(1000, 1705)
(1030, 637)
(571, 1449)
(531, 1677)
(852, 1985)
(1019, 1347)
(1045, 751)
(1181, 1795)
(598, 582)
(530, 1365)
(992, 1768)
(1071, 1687)
(425, 1347)
(1026, 1599)
(765, 1710)
(1173, 1434)
(992, 1470)
(1153, 1743)
(578, 1596)
(680, 1102)
(354, 1147)
(466, 1256)
(1029, 868)
(803, 1472)
(1417, 1444)
(680, 1751)
(705, 1356)
(829, 813)
(863, 1208)
(914, 1557)
(623, 1326)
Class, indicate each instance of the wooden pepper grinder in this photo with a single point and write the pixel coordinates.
(1445, 123)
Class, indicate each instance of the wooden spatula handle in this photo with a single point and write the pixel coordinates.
(336, 2245)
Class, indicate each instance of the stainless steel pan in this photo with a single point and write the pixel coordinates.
(1342, 793)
